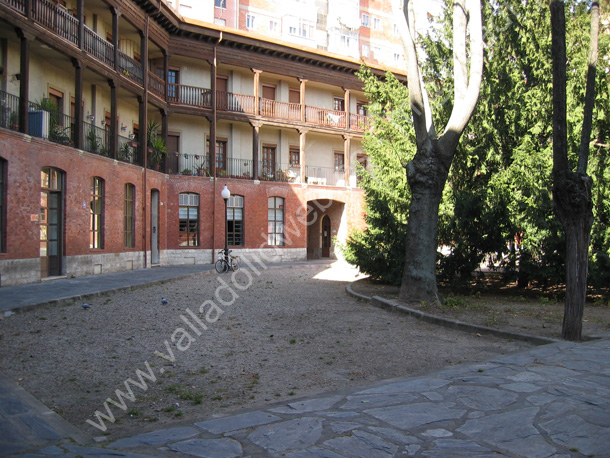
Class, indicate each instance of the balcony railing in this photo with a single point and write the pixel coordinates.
(237, 103)
(156, 85)
(325, 117)
(280, 110)
(128, 150)
(55, 17)
(189, 95)
(99, 48)
(325, 176)
(9, 111)
(50, 124)
(18, 5)
(131, 68)
(359, 123)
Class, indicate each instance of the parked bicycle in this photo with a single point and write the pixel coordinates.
(226, 262)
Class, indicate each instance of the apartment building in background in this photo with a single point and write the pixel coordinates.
(121, 121)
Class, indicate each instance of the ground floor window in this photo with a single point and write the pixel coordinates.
(275, 221)
(96, 239)
(128, 219)
(189, 219)
(235, 220)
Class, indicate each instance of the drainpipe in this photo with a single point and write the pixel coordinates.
(213, 148)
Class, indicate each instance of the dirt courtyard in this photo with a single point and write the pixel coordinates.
(221, 343)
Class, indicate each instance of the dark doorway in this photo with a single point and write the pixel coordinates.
(51, 222)
(154, 227)
(326, 237)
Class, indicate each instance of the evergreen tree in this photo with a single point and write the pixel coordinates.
(379, 250)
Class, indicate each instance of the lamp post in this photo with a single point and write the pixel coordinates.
(225, 195)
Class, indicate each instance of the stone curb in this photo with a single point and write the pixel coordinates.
(394, 306)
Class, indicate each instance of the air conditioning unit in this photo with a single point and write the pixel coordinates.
(38, 123)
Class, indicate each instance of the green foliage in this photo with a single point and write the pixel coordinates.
(379, 251)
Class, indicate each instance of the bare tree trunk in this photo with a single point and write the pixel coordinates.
(573, 206)
(428, 171)
(426, 174)
(572, 190)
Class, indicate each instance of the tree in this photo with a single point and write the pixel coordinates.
(379, 250)
(572, 189)
(427, 172)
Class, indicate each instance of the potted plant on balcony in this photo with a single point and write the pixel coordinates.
(156, 145)
(187, 172)
(202, 170)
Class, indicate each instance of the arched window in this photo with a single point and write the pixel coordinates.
(235, 218)
(275, 221)
(96, 239)
(128, 216)
(189, 219)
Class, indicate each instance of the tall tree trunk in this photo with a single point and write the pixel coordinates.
(426, 175)
(574, 208)
(428, 171)
(572, 190)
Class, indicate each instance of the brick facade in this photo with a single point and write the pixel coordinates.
(25, 156)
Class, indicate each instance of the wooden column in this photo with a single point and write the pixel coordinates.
(303, 156)
(77, 135)
(302, 96)
(347, 146)
(24, 80)
(256, 126)
(257, 79)
(115, 38)
(80, 14)
(347, 105)
(114, 114)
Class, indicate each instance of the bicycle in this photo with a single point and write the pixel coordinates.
(226, 262)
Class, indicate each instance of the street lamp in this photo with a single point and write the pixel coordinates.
(225, 195)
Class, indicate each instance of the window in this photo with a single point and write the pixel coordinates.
(220, 4)
(189, 219)
(395, 30)
(268, 161)
(397, 57)
(235, 220)
(366, 20)
(273, 27)
(295, 157)
(2, 205)
(339, 162)
(339, 104)
(250, 21)
(173, 78)
(376, 23)
(221, 154)
(220, 21)
(366, 50)
(128, 218)
(96, 238)
(275, 221)
(292, 30)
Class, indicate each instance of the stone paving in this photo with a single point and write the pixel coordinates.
(549, 401)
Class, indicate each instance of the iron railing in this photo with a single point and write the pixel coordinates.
(99, 48)
(9, 111)
(324, 176)
(131, 68)
(18, 5)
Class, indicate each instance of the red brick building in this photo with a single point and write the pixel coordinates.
(108, 108)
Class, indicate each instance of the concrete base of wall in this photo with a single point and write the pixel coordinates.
(19, 271)
(181, 257)
(103, 263)
(23, 271)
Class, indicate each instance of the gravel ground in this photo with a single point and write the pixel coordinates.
(272, 334)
